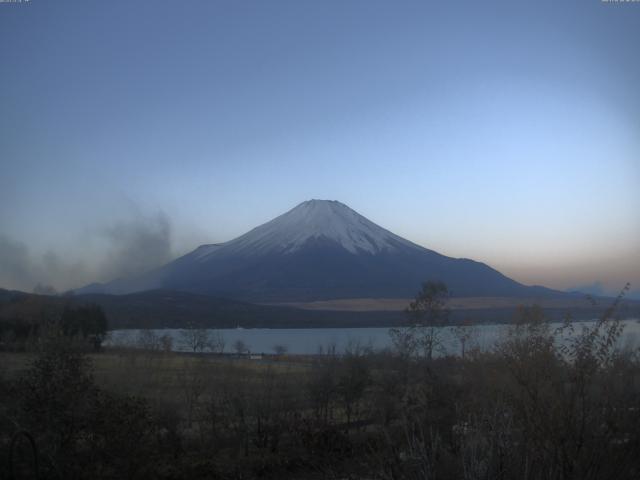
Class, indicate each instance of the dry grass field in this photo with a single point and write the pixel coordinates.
(164, 377)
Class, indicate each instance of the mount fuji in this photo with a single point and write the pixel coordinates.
(319, 250)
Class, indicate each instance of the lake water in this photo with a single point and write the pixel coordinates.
(310, 340)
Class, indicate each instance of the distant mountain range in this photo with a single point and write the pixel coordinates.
(319, 250)
(319, 265)
(172, 309)
(597, 289)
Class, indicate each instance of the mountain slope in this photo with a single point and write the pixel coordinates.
(172, 309)
(319, 250)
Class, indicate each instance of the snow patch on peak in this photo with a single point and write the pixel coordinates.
(318, 219)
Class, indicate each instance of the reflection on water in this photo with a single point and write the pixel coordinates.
(311, 340)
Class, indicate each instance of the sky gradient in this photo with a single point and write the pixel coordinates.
(506, 132)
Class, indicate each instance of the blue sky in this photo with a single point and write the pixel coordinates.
(506, 132)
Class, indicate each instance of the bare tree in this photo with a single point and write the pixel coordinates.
(148, 340)
(464, 333)
(240, 347)
(567, 398)
(404, 340)
(216, 342)
(280, 349)
(429, 312)
(195, 339)
(166, 343)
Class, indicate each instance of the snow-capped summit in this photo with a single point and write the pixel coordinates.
(317, 221)
(320, 249)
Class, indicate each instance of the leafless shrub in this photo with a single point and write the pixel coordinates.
(240, 347)
(280, 349)
(428, 312)
(166, 343)
(464, 333)
(194, 339)
(148, 340)
(192, 384)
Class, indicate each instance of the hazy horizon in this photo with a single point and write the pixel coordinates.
(132, 132)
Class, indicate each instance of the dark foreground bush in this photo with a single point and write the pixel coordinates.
(532, 408)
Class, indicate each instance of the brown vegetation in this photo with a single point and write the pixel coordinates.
(528, 409)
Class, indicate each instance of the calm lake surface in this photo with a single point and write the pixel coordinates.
(310, 340)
